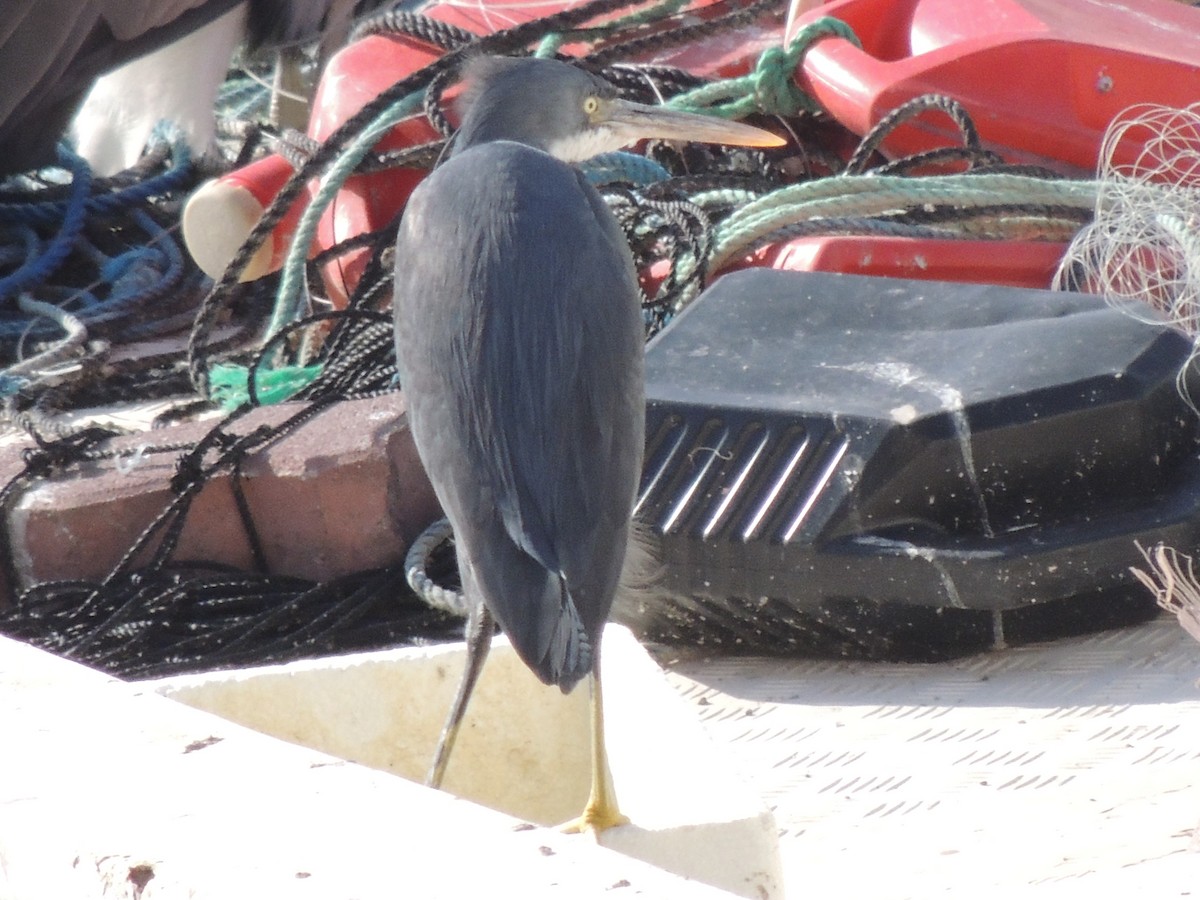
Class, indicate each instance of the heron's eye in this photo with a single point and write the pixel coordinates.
(591, 105)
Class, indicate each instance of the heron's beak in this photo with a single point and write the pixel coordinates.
(637, 121)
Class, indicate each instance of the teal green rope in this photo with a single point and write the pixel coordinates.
(619, 166)
(724, 198)
(771, 88)
(274, 385)
(866, 196)
(292, 294)
(228, 383)
(548, 47)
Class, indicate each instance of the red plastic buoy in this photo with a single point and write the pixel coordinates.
(1028, 264)
(1041, 78)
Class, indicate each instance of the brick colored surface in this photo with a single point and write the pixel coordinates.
(342, 493)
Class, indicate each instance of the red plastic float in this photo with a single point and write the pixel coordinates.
(1041, 78)
(1016, 263)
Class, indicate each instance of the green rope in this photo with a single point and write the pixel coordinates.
(610, 168)
(292, 293)
(771, 88)
(275, 383)
(866, 196)
(229, 388)
(548, 47)
(724, 198)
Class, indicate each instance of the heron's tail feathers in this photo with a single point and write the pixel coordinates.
(569, 653)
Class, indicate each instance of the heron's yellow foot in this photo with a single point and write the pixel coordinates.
(597, 817)
(601, 812)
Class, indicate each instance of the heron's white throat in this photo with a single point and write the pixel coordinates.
(586, 144)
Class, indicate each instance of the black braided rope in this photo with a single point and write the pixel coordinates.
(957, 113)
(433, 103)
(684, 28)
(973, 157)
(649, 83)
(182, 618)
(425, 28)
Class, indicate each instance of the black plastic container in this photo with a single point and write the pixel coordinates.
(908, 470)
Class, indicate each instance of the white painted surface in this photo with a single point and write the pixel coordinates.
(102, 782)
(1071, 767)
(1068, 770)
(179, 83)
(524, 747)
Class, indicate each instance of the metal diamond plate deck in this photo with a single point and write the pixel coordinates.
(1072, 766)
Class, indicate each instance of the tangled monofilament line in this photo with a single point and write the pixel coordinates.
(1142, 251)
(1172, 580)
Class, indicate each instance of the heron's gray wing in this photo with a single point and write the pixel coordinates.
(521, 349)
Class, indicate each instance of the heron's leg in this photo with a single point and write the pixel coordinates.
(480, 626)
(601, 811)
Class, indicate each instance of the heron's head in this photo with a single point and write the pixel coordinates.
(574, 115)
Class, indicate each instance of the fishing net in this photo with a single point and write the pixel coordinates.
(1171, 578)
(101, 273)
(1142, 250)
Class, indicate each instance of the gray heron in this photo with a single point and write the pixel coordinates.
(53, 51)
(519, 339)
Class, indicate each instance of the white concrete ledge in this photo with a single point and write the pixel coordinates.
(110, 790)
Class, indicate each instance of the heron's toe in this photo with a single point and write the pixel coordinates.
(595, 819)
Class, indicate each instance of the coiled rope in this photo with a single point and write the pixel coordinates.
(88, 263)
(771, 88)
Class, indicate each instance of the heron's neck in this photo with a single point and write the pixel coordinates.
(475, 132)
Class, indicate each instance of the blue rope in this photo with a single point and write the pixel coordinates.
(140, 274)
(131, 280)
(620, 166)
(107, 204)
(10, 384)
(46, 263)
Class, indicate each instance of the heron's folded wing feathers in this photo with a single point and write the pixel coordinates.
(522, 332)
